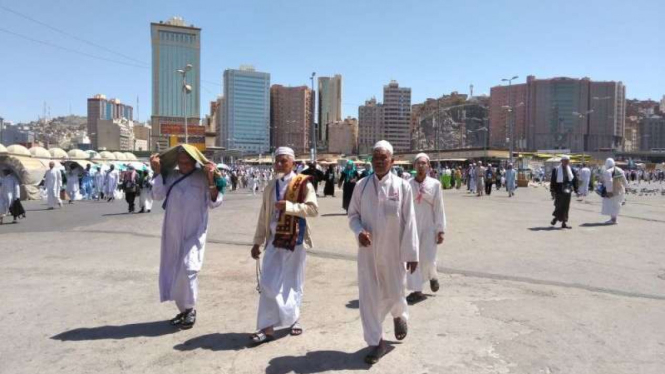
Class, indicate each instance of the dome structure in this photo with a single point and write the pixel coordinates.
(58, 153)
(107, 156)
(77, 154)
(129, 156)
(40, 152)
(18, 149)
(120, 156)
(3, 149)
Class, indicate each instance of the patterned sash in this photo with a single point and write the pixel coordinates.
(291, 229)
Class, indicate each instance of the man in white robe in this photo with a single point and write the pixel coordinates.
(283, 276)
(431, 223)
(111, 180)
(10, 191)
(99, 184)
(614, 180)
(188, 193)
(382, 217)
(73, 183)
(584, 177)
(52, 184)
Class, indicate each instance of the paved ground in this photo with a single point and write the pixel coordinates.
(80, 294)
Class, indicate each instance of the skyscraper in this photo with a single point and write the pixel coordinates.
(290, 117)
(246, 110)
(397, 116)
(174, 46)
(330, 104)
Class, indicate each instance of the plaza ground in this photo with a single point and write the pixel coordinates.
(80, 293)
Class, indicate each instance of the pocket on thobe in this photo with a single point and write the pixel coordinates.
(391, 208)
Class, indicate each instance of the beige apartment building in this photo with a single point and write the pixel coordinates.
(291, 117)
(343, 136)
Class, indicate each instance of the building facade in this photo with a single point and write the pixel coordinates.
(99, 107)
(370, 125)
(174, 46)
(330, 105)
(115, 135)
(652, 133)
(246, 110)
(397, 116)
(343, 137)
(559, 113)
(291, 117)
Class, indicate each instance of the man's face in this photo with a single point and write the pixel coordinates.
(51, 165)
(283, 164)
(382, 161)
(565, 162)
(185, 163)
(422, 166)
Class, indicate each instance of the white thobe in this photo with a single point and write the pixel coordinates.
(283, 277)
(183, 235)
(430, 220)
(10, 190)
(584, 176)
(72, 185)
(99, 183)
(145, 199)
(384, 208)
(111, 183)
(53, 183)
(612, 205)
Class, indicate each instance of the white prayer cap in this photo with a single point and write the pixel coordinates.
(382, 144)
(285, 151)
(419, 156)
(565, 157)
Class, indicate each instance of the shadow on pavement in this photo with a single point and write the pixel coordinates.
(333, 215)
(547, 228)
(320, 362)
(115, 214)
(134, 330)
(353, 304)
(596, 224)
(232, 341)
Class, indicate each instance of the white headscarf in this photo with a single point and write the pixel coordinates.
(382, 144)
(609, 164)
(285, 151)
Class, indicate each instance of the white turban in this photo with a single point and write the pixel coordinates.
(382, 144)
(609, 163)
(285, 151)
(419, 156)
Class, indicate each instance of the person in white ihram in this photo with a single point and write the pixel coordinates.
(431, 223)
(615, 183)
(52, 184)
(382, 217)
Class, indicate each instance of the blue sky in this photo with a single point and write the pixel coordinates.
(434, 47)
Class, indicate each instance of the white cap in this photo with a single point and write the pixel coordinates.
(419, 156)
(285, 151)
(382, 144)
(565, 157)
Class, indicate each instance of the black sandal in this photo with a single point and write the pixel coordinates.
(375, 355)
(434, 285)
(296, 329)
(401, 328)
(261, 337)
(415, 297)
(177, 320)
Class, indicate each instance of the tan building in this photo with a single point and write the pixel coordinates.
(143, 137)
(290, 117)
(370, 125)
(330, 105)
(115, 135)
(397, 116)
(343, 136)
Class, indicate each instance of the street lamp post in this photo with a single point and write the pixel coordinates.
(313, 130)
(510, 117)
(185, 90)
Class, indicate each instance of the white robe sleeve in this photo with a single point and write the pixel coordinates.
(159, 188)
(310, 208)
(439, 211)
(355, 220)
(409, 241)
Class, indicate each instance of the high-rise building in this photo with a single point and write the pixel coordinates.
(370, 125)
(218, 119)
(343, 136)
(397, 116)
(290, 117)
(246, 110)
(101, 108)
(174, 46)
(330, 104)
(558, 113)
